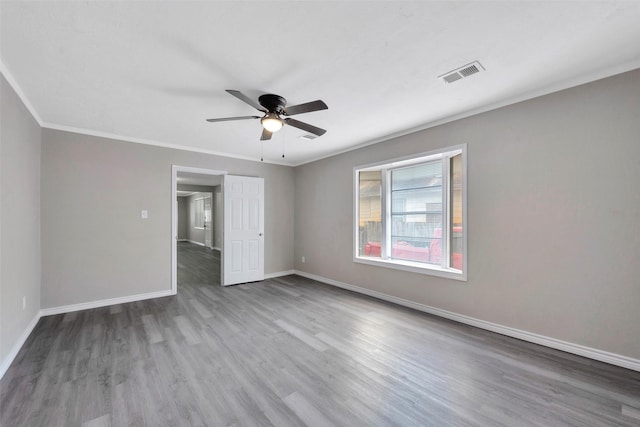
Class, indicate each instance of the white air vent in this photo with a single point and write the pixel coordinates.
(308, 136)
(462, 72)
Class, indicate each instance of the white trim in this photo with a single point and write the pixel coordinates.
(465, 209)
(385, 167)
(137, 140)
(103, 303)
(278, 274)
(556, 87)
(580, 350)
(8, 360)
(202, 171)
(215, 248)
(194, 242)
(412, 159)
(414, 267)
(174, 215)
(18, 90)
(183, 240)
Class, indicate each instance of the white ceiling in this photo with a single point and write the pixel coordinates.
(152, 72)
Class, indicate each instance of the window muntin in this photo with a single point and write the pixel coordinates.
(410, 213)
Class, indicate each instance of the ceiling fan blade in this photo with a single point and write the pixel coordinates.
(305, 126)
(266, 135)
(228, 119)
(244, 98)
(307, 107)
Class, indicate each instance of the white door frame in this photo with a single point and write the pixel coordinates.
(174, 215)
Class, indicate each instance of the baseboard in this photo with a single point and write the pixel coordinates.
(194, 242)
(68, 309)
(103, 303)
(182, 240)
(215, 248)
(18, 345)
(279, 274)
(580, 350)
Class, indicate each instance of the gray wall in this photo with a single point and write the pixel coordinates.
(19, 218)
(100, 248)
(553, 217)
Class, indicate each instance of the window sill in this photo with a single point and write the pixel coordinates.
(413, 267)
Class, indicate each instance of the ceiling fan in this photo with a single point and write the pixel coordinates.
(276, 113)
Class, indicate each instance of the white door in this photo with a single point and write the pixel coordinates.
(208, 227)
(243, 245)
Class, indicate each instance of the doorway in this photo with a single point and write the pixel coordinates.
(189, 180)
(241, 233)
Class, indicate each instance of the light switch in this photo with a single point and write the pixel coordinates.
(144, 214)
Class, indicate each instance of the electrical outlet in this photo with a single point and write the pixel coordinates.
(24, 302)
(303, 259)
(144, 214)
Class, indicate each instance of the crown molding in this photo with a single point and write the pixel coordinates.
(121, 138)
(556, 87)
(18, 90)
(547, 90)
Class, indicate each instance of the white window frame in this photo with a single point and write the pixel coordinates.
(416, 267)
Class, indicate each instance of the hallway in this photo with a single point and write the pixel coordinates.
(197, 265)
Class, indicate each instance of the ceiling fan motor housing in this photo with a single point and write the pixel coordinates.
(273, 103)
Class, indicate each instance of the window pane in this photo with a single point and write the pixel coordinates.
(417, 200)
(424, 175)
(199, 213)
(409, 250)
(416, 213)
(456, 243)
(370, 214)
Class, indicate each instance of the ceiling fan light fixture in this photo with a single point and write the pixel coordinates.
(271, 122)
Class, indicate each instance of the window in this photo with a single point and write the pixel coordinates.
(198, 213)
(410, 213)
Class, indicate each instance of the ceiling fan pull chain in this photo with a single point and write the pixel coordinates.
(283, 145)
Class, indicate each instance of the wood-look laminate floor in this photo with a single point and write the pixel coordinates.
(293, 352)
